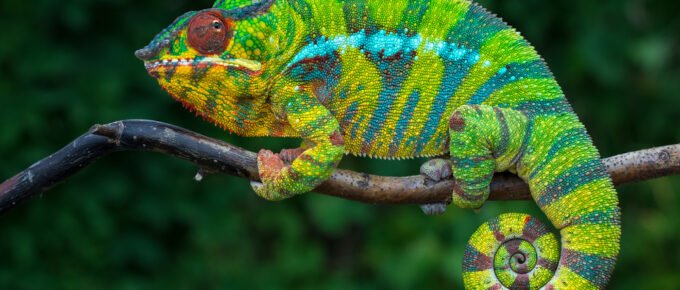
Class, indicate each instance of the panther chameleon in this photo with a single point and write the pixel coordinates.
(403, 79)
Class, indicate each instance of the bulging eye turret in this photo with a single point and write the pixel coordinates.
(209, 33)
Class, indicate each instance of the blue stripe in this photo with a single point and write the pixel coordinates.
(565, 139)
(404, 120)
(569, 180)
(543, 107)
(454, 73)
(349, 114)
(591, 267)
(395, 69)
(476, 27)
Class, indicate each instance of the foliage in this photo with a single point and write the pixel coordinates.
(138, 220)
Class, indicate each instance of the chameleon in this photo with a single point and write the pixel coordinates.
(443, 79)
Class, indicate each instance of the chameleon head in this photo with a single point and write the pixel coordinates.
(213, 61)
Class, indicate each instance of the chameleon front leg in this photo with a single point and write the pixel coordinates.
(483, 140)
(312, 166)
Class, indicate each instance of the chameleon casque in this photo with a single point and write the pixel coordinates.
(402, 79)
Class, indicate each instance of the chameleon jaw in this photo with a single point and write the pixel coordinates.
(251, 65)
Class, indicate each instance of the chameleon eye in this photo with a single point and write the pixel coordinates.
(208, 33)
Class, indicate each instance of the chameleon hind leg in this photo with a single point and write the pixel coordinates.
(555, 156)
(483, 140)
(513, 250)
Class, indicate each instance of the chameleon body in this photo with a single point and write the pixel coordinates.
(401, 79)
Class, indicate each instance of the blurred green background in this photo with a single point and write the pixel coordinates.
(137, 220)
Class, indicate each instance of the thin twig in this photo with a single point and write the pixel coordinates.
(213, 155)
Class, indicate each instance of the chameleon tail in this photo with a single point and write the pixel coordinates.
(571, 186)
(556, 157)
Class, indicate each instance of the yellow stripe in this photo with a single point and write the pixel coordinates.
(561, 162)
(548, 247)
(544, 129)
(425, 77)
(328, 16)
(525, 90)
(587, 198)
(357, 71)
(387, 14)
(512, 225)
(569, 280)
(441, 17)
(479, 279)
(484, 241)
(597, 239)
(502, 48)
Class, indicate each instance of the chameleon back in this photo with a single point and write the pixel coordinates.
(393, 72)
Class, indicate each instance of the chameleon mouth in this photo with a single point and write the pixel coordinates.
(250, 65)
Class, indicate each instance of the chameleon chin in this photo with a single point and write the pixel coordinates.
(402, 79)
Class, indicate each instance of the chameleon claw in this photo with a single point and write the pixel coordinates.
(288, 155)
(269, 164)
(256, 185)
(437, 169)
(434, 208)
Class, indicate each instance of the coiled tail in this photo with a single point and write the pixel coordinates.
(513, 250)
(554, 154)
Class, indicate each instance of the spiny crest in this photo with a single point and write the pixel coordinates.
(243, 9)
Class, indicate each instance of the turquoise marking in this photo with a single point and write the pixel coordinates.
(404, 120)
(388, 43)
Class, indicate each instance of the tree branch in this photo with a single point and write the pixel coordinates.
(213, 155)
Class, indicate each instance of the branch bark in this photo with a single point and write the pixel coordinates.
(213, 155)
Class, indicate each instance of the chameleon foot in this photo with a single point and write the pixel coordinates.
(270, 167)
(437, 169)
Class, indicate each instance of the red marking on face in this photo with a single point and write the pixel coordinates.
(209, 33)
(527, 220)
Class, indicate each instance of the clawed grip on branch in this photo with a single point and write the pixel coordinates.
(213, 155)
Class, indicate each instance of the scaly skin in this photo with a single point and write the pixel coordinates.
(402, 79)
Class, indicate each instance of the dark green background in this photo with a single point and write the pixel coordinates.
(137, 220)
